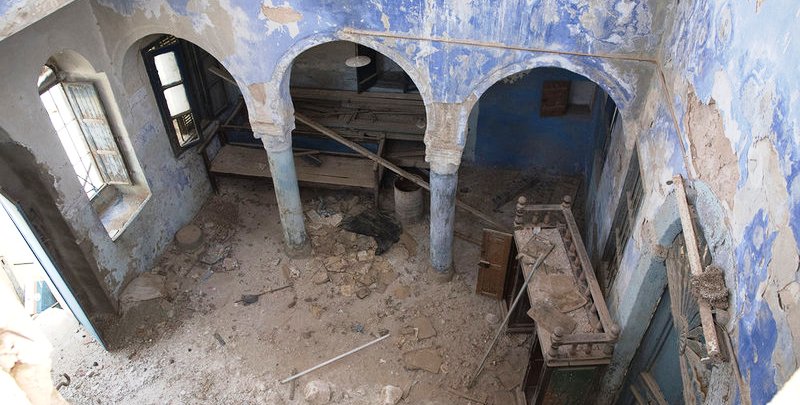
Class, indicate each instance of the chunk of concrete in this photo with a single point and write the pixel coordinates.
(427, 359)
(318, 392)
(189, 238)
(229, 264)
(424, 328)
(145, 287)
(401, 292)
(320, 277)
(390, 395)
(363, 292)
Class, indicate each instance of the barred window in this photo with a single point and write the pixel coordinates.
(624, 220)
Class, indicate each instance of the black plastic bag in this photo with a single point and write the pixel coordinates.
(382, 226)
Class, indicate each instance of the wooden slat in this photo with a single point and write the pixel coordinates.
(365, 135)
(581, 338)
(366, 124)
(335, 170)
(655, 390)
(693, 253)
(583, 361)
(222, 75)
(543, 207)
(637, 396)
(300, 92)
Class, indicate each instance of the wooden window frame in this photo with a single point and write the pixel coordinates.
(88, 116)
(164, 45)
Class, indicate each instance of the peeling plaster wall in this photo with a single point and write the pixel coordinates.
(741, 59)
(731, 80)
(257, 40)
(454, 51)
(178, 186)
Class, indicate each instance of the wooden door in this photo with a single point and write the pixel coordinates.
(493, 264)
(668, 368)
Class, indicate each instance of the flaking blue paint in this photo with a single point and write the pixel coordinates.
(757, 330)
(565, 25)
(786, 131)
(512, 134)
(746, 53)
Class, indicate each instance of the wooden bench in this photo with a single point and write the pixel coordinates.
(337, 169)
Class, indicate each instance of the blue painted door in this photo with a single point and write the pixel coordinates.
(654, 376)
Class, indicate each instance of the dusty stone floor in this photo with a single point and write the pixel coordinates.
(170, 350)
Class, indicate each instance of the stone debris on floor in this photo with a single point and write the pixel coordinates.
(322, 305)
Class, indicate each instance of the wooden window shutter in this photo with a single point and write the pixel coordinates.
(92, 117)
(555, 98)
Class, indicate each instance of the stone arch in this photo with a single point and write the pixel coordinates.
(609, 83)
(281, 109)
(128, 49)
(532, 74)
(621, 95)
(72, 61)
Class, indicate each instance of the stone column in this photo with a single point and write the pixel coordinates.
(444, 141)
(287, 191)
(443, 215)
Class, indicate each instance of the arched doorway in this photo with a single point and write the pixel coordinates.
(193, 90)
(364, 96)
(671, 363)
(542, 122)
(544, 133)
(201, 106)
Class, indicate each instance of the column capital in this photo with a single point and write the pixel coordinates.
(445, 135)
(275, 137)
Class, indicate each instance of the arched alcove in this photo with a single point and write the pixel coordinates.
(543, 132)
(366, 97)
(200, 103)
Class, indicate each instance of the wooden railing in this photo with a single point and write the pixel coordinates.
(597, 346)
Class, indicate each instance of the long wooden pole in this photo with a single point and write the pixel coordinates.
(389, 165)
(693, 253)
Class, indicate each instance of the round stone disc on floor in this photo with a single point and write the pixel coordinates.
(190, 237)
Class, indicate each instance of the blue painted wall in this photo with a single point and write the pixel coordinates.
(512, 134)
(742, 54)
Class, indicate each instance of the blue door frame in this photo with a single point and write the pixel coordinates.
(654, 375)
(54, 280)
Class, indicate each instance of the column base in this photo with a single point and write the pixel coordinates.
(442, 276)
(298, 252)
